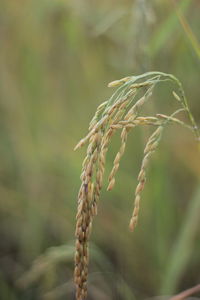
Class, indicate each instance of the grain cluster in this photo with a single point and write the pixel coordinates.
(121, 112)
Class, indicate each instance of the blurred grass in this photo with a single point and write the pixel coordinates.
(56, 58)
(185, 245)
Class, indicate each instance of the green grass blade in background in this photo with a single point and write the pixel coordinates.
(183, 248)
(165, 29)
(188, 30)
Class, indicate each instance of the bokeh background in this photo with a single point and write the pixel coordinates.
(56, 58)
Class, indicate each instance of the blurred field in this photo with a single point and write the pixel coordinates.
(56, 58)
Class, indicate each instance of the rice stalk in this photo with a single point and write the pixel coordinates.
(110, 116)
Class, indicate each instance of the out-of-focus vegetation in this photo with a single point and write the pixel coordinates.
(56, 58)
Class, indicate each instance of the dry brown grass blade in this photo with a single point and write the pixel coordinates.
(187, 293)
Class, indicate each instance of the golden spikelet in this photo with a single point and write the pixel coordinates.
(119, 82)
(176, 96)
(117, 159)
(83, 225)
(130, 116)
(151, 146)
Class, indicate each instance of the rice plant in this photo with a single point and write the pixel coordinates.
(121, 111)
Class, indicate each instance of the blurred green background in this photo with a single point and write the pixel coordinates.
(56, 58)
